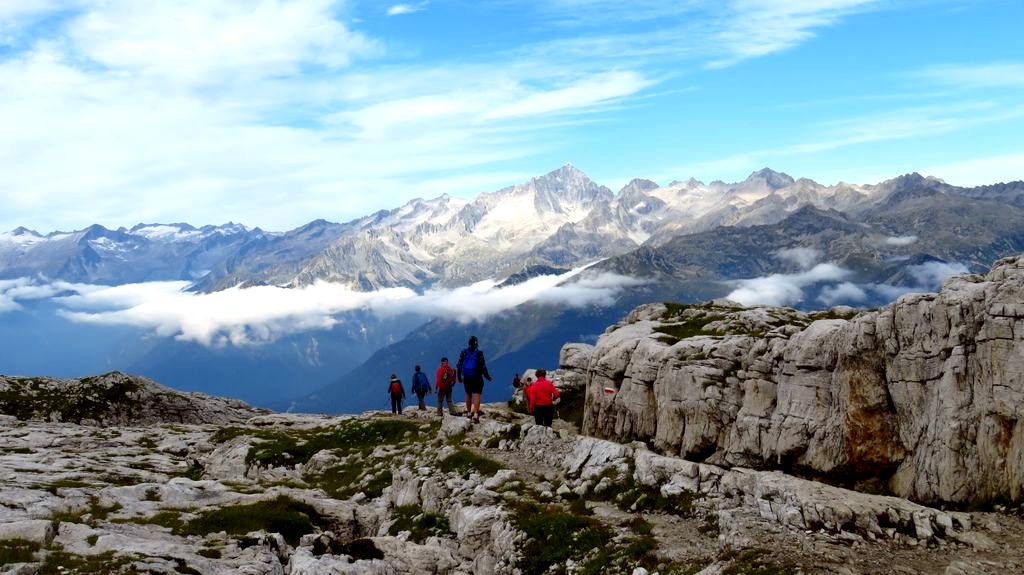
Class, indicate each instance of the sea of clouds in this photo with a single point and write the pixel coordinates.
(239, 316)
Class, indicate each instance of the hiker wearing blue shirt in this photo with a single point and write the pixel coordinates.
(421, 387)
(471, 372)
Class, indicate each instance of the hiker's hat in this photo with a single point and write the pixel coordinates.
(472, 340)
(394, 377)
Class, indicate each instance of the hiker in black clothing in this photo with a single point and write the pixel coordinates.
(420, 386)
(397, 393)
(471, 371)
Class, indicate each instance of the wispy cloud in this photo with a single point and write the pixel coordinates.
(760, 27)
(400, 9)
(248, 316)
(987, 75)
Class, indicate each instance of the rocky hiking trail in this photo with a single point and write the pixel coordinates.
(300, 494)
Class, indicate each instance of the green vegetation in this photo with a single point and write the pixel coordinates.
(66, 483)
(92, 539)
(634, 497)
(751, 562)
(419, 524)
(210, 553)
(283, 515)
(512, 433)
(465, 461)
(640, 526)
(288, 448)
(194, 471)
(832, 314)
(95, 512)
(59, 562)
(169, 519)
(17, 551)
(623, 557)
(710, 526)
(147, 443)
(20, 450)
(30, 397)
(344, 481)
(152, 494)
(555, 534)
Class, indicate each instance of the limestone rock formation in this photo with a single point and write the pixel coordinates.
(923, 398)
(115, 399)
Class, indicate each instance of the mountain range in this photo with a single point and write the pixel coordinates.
(687, 240)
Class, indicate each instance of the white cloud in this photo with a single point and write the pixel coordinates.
(761, 27)
(988, 75)
(784, 289)
(399, 9)
(259, 314)
(900, 240)
(803, 257)
(930, 275)
(844, 293)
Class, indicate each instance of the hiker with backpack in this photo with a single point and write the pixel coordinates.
(471, 372)
(397, 393)
(540, 397)
(443, 385)
(420, 386)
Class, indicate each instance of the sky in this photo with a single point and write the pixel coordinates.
(273, 113)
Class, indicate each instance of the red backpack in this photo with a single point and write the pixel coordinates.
(447, 379)
(396, 388)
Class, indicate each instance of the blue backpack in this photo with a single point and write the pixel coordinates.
(470, 362)
(420, 383)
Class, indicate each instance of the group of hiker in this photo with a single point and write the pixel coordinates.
(471, 370)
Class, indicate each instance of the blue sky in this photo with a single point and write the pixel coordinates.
(274, 113)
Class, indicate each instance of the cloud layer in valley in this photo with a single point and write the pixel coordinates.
(243, 316)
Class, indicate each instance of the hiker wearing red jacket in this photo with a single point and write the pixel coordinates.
(541, 396)
(443, 385)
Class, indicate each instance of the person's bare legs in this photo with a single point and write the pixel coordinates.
(469, 404)
(476, 404)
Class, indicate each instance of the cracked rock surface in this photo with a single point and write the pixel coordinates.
(923, 399)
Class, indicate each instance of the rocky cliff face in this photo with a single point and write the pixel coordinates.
(114, 399)
(923, 398)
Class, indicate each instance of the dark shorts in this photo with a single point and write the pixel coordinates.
(474, 384)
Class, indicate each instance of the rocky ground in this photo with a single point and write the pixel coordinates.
(420, 494)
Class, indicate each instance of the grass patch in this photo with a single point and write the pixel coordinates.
(292, 519)
(555, 534)
(92, 539)
(286, 449)
(709, 526)
(631, 496)
(687, 328)
(194, 471)
(512, 433)
(640, 526)
(344, 481)
(209, 553)
(147, 443)
(465, 461)
(66, 484)
(92, 399)
(832, 314)
(152, 494)
(20, 450)
(59, 562)
(418, 523)
(17, 551)
(752, 562)
(95, 512)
